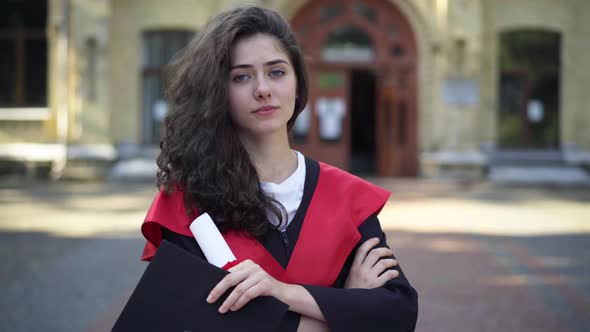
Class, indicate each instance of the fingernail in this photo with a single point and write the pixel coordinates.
(209, 298)
(222, 310)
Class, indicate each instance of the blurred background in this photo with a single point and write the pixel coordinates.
(474, 113)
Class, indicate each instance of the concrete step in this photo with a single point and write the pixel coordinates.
(136, 169)
(558, 176)
(527, 158)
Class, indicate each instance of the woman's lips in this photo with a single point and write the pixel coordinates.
(265, 110)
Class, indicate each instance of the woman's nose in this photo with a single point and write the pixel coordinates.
(262, 90)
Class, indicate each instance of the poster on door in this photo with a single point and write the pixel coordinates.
(302, 125)
(331, 112)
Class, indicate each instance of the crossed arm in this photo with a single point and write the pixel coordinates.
(368, 270)
(370, 286)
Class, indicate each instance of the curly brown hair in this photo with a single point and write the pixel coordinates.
(201, 153)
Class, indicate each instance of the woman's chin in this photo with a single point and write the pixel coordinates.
(267, 130)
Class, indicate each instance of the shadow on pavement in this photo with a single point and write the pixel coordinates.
(470, 282)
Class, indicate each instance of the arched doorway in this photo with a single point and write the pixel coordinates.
(362, 111)
(529, 85)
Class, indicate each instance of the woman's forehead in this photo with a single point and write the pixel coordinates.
(257, 49)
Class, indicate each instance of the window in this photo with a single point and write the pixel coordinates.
(397, 51)
(365, 12)
(91, 68)
(330, 12)
(348, 44)
(529, 85)
(158, 49)
(23, 53)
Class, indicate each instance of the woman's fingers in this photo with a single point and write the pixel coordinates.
(375, 255)
(367, 265)
(363, 250)
(238, 293)
(252, 293)
(226, 283)
(385, 277)
(237, 274)
(250, 281)
(382, 266)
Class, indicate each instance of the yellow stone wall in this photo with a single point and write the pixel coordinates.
(457, 127)
(89, 115)
(12, 131)
(572, 19)
(576, 90)
(129, 19)
(439, 26)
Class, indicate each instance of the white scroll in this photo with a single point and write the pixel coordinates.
(212, 243)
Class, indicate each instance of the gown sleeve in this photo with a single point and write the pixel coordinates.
(392, 307)
(290, 321)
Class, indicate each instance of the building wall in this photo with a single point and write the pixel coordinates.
(129, 19)
(457, 39)
(570, 18)
(37, 126)
(455, 124)
(89, 110)
(577, 67)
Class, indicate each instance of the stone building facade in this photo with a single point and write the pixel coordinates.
(399, 87)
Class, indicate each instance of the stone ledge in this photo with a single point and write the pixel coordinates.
(576, 157)
(104, 152)
(454, 158)
(32, 152)
(24, 113)
(558, 176)
(137, 169)
(453, 164)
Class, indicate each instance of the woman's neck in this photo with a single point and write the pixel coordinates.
(271, 156)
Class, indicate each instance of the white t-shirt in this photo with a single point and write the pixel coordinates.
(289, 192)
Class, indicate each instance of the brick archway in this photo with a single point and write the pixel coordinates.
(393, 65)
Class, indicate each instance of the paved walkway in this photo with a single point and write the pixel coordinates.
(482, 258)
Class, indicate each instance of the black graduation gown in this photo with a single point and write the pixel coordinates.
(392, 307)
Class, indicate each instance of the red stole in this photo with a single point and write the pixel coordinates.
(340, 203)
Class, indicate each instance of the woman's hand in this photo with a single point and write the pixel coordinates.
(368, 266)
(250, 280)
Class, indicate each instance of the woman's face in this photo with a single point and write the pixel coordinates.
(262, 86)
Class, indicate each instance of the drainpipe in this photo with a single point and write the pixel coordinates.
(62, 86)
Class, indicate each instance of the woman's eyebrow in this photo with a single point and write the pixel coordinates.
(269, 63)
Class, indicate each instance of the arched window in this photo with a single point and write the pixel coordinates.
(529, 87)
(158, 48)
(348, 44)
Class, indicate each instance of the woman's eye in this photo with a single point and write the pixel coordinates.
(240, 77)
(277, 73)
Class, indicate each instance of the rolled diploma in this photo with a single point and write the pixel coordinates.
(211, 241)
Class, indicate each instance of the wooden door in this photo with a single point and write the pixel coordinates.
(330, 109)
(385, 43)
(386, 123)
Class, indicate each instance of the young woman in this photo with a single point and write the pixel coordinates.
(303, 231)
